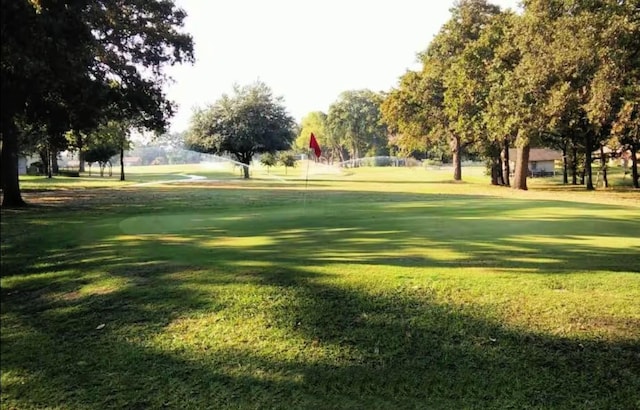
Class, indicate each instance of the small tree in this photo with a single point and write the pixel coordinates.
(288, 160)
(250, 122)
(101, 153)
(268, 160)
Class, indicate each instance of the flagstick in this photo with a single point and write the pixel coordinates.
(306, 181)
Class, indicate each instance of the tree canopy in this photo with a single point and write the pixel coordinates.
(562, 74)
(354, 123)
(73, 65)
(248, 122)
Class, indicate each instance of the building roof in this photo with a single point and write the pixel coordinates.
(538, 154)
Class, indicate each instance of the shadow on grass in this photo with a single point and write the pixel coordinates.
(353, 350)
(316, 343)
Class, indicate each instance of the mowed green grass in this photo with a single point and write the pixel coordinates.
(373, 288)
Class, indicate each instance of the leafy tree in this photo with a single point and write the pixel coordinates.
(575, 61)
(288, 160)
(268, 160)
(614, 98)
(626, 134)
(316, 123)
(114, 134)
(500, 59)
(406, 112)
(248, 122)
(354, 122)
(464, 58)
(101, 153)
(66, 65)
(445, 100)
(170, 140)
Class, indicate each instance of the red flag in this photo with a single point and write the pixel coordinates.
(313, 143)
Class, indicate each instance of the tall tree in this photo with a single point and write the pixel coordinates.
(576, 56)
(501, 129)
(316, 122)
(445, 100)
(112, 135)
(354, 121)
(626, 134)
(64, 63)
(412, 110)
(465, 58)
(248, 122)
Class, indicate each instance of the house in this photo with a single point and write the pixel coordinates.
(542, 161)
(24, 163)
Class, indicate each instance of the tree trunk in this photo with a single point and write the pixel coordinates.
(245, 159)
(494, 175)
(574, 165)
(44, 159)
(603, 163)
(498, 165)
(49, 162)
(506, 168)
(11, 196)
(121, 164)
(565, 167)
(634, 166)
(522, 168)
(55, 168)
(496, 171)
(457, 158)
(81, 164)
(587, 161)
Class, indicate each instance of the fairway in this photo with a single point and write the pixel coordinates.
(369, 288)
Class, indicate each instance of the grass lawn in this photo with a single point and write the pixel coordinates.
(371, 288)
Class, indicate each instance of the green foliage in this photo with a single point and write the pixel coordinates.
(287, 159)
(316, 123)
(354, 123)
(560, 74)
(446, 100)
(73, 65)
(101, 153)
(268, 159)
(250, 121)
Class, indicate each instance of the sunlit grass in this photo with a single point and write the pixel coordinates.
(371, 288)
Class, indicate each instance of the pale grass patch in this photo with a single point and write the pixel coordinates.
(580, 241)
(239, 241)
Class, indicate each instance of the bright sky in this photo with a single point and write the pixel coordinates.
(307, 52)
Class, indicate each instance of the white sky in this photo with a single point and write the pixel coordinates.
(307, 52)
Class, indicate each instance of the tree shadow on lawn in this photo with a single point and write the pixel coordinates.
(335, 220)
(322, 344)
(400, 231)
(352, 349)
(469, 232)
